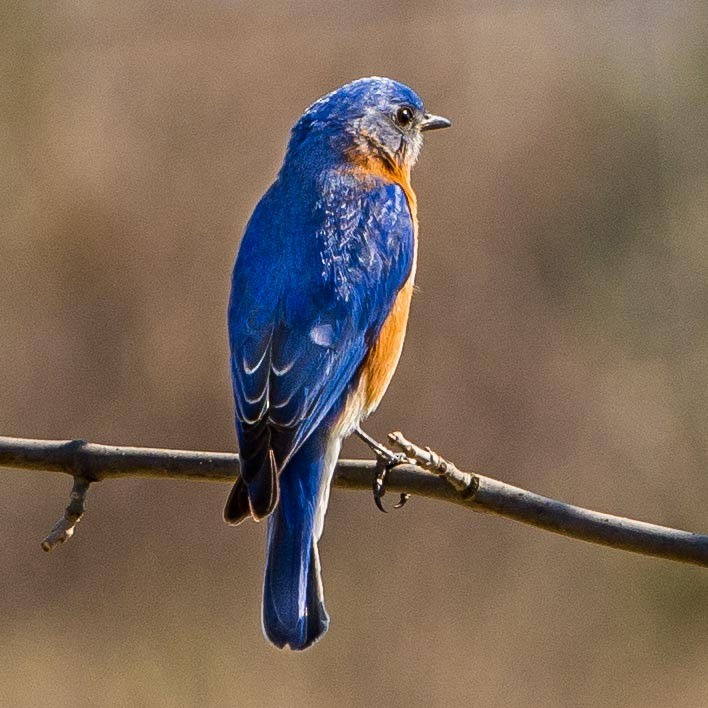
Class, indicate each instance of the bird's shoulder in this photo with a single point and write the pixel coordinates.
(359, 210)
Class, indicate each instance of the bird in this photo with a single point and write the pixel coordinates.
(320, 296)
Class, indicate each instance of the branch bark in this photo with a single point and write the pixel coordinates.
(88, 463)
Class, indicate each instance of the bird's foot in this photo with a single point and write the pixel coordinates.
(383, 466)
(386, 460)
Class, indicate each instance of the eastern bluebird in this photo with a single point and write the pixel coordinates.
(319, 305)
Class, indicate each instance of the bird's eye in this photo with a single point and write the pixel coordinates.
(404, 117)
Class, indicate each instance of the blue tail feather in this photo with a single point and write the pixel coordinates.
(293, 605)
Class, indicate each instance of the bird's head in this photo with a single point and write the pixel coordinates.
(373, 123)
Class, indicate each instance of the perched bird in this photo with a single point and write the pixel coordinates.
(319, 305)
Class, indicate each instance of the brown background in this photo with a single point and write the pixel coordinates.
(559, 341)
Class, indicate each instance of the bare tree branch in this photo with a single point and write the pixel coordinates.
(89, 463)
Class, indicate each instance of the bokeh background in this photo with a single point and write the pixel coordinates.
(559, 341)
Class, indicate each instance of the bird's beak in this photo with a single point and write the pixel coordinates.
(431, 122)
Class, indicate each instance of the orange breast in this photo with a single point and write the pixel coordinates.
(383, 357)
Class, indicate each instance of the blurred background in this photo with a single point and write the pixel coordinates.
(559, 341)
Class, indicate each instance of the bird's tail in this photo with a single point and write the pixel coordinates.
(293, 603)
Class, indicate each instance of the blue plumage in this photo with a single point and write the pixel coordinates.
(324, 256)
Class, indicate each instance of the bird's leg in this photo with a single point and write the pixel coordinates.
(380, 450)
(385, 460)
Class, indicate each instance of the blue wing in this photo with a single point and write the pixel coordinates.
(312, 286)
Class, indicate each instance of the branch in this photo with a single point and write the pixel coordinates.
(88, 463)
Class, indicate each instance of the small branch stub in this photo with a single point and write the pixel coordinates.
(64, 528)
(464, 482)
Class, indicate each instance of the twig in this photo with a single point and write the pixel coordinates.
(64, 528)
(464, 482)
(93, 463)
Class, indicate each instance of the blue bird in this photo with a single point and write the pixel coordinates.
(319, 305)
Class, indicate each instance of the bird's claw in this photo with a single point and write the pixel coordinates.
(386, 460)
(384, 463)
